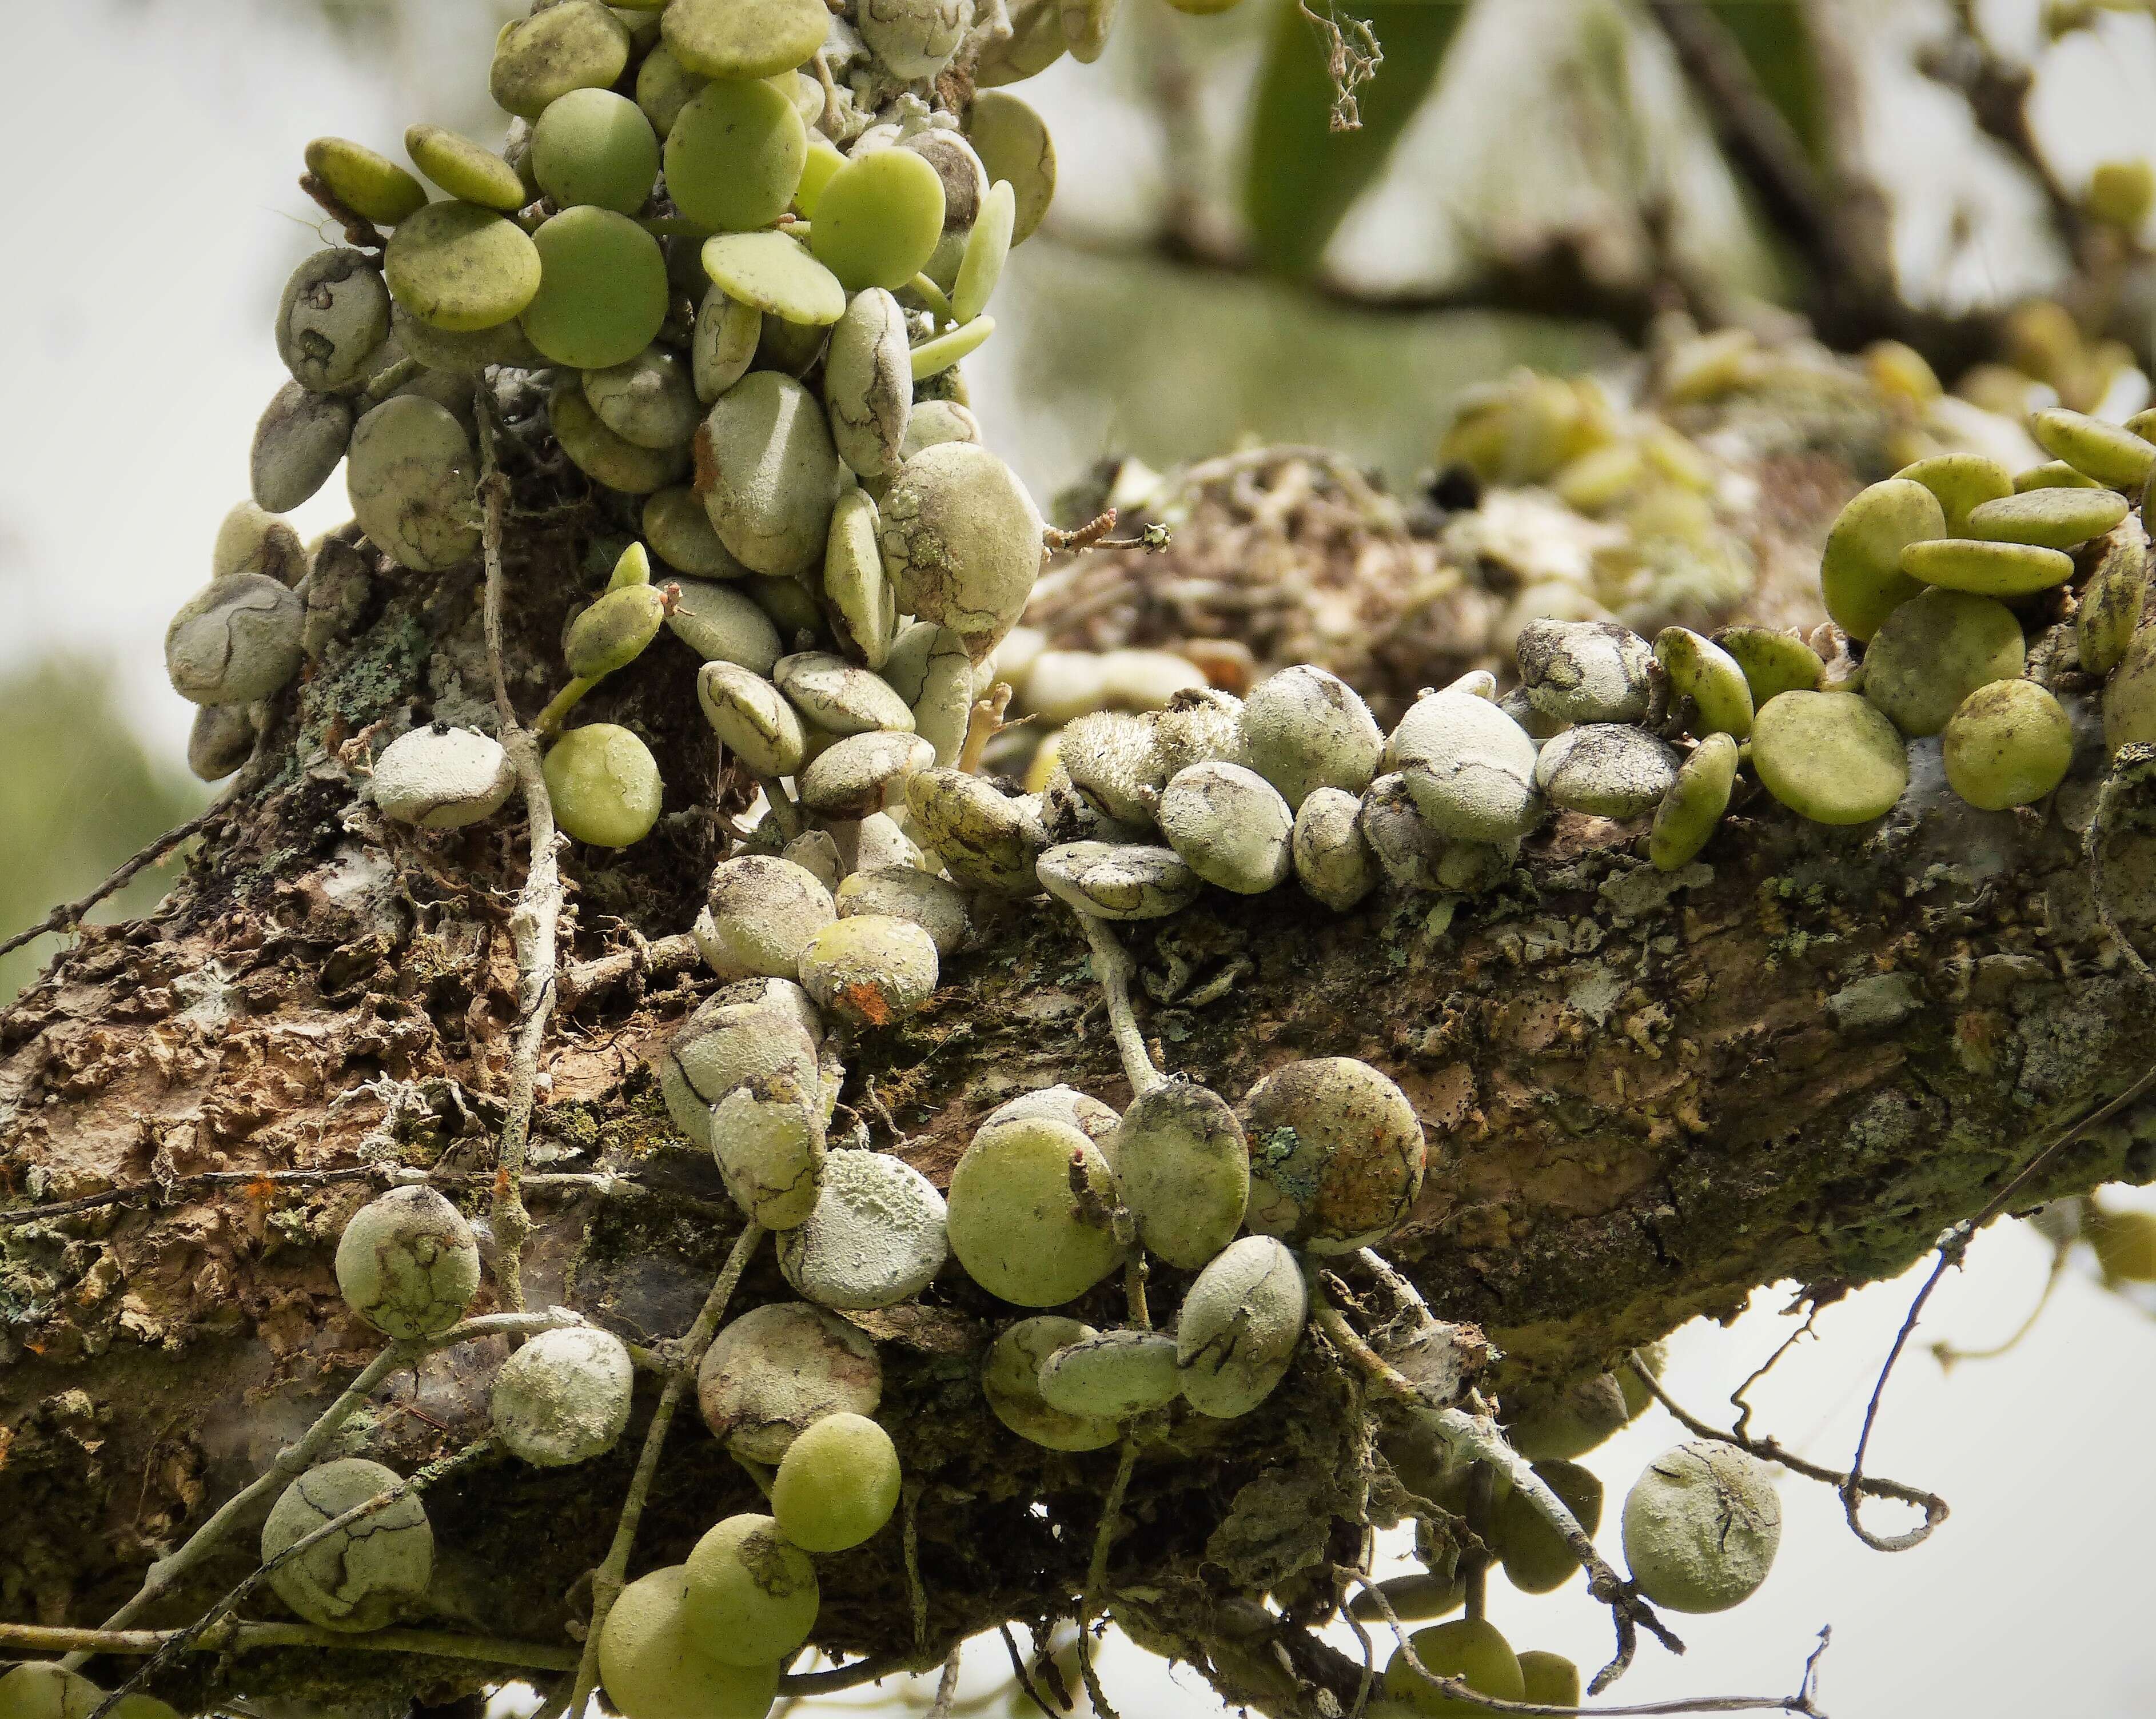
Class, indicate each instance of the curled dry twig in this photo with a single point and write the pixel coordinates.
(1770, 1450)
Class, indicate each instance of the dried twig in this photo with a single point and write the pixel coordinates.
(1024, 1677)
(1770, 1450)
(67, 917)
(235, 1636)
(643, 956)
(186, 1188)
(946, 1687)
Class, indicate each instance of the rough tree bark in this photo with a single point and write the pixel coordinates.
(1798, 1058)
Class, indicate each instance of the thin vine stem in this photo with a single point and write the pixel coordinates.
(534, 923)
(181, 1639)
(608, 1582)
(1112, 966)
(295, 1458)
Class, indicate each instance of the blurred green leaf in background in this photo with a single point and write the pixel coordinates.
(78, 794)
(1302, 176)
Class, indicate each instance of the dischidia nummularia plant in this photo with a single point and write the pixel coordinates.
(709, 304)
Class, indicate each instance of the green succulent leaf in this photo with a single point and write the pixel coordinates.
(1302, 176)
(1776, 40)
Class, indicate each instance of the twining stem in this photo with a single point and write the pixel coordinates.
(182, 1639)
(1476, 1436)
(534, 923)
(1112, 965)
(1460, 1690)
(296, 1458)
(1933, 1507)
(609, 1580)
(232, 1636)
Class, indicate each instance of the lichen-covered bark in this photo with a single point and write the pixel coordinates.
(1798, 1059)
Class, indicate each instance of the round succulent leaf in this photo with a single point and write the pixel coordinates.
(1016, 1224)
(1829, 757)
(577, 45)
(1702, 1526)
(744, 38)
(563, 1397)
(602, 455)
(1862, 576)
(459, 267)
(753, 1594)
(878, 218)
(331, 318)
(735, 155)
(779, 1369)
(1962, 482)
(1989, 569)
(1010, 1379)
(362, 1577)
(1014, 147)
(372, 186)
(469, 171)
(1239, 1325)
(875, 1238)
(1691, 812)
(654, 1663)
(1182, 1171)
(604, 784)
(2009, 744)
(602, 294)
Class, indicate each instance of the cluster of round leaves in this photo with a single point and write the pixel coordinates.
(788, 1384)
(747, 331)
(1136, 811)
(1941, 572)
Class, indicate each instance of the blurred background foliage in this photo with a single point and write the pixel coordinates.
(79, 794)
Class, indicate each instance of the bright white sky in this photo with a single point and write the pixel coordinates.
(127, 235)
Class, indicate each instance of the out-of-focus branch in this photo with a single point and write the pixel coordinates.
(1997, 90)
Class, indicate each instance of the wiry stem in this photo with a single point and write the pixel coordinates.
(295, 1458)
(1460, 1690)
(609, 1580)
(66, 918)
(232, 1636)
(1478, 1436)
(1096, 1570)
(1933, 1507)
(1111, 964)
(182, 1639)
(535, 924)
